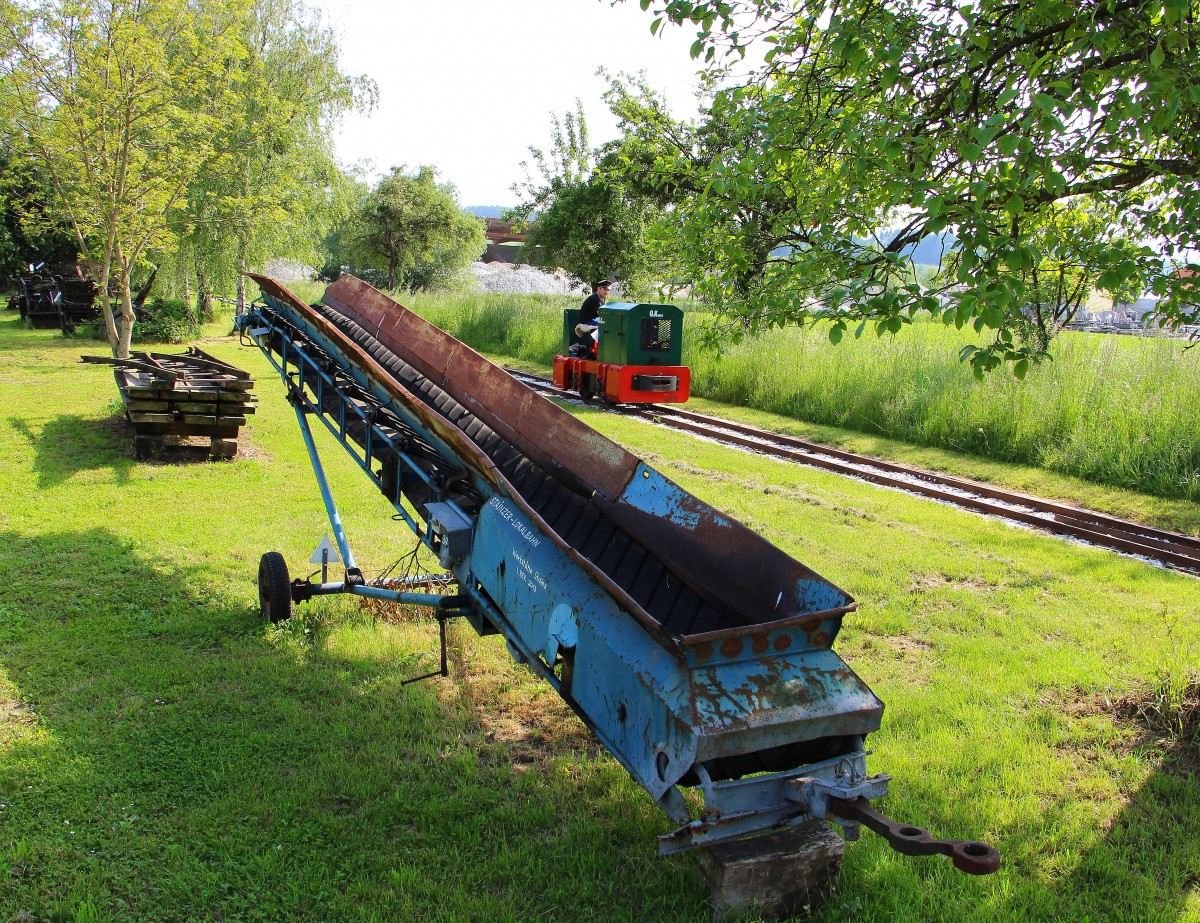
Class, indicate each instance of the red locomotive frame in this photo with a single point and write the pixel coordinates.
(623, 384)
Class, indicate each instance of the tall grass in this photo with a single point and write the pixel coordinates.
(527, 327)
(1121, 411)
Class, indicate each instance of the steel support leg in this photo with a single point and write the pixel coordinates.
(335, 519)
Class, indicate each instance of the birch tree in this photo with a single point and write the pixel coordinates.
(273, 186)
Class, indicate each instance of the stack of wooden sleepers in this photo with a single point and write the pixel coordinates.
(181, 396)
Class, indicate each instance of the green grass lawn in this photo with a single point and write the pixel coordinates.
(165, 756)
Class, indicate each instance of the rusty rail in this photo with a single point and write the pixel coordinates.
(1170, 549)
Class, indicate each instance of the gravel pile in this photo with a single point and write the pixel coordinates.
(510, 279)
(289, 271)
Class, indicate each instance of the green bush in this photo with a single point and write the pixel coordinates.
(165, 320)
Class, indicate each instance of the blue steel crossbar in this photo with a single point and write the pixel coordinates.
(335, 519)
(322, 384)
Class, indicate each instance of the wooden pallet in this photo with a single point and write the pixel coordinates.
(180, 396)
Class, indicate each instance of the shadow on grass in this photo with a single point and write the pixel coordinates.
(1058, 863)
(71, 443)
(1147, 866)
(164, 755)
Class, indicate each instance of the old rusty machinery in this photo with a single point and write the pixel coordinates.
(699, 654)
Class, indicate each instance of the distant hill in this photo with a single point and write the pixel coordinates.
(929, 252)
(487, 211)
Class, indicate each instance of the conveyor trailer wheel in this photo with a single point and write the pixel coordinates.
(274, 588)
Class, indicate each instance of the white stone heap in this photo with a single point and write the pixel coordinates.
(510, 279)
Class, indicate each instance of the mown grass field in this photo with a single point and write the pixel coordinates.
(1114, 410)
(165, 756)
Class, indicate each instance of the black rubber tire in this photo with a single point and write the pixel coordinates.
(274, 588)
(587, 388)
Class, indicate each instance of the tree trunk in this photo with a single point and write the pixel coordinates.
(204, 295)
(144, 293)
(125, 321)
(241, 282)
(127, 316)
(392, 265)
(125, 325)
(112, 251)
(187, 288)
(104, 305)
(106, 311)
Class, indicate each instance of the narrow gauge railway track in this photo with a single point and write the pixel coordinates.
(1169, 549)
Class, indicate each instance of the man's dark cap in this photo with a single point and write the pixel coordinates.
(604, 282)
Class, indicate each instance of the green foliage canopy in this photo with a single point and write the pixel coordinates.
(582, 212)
(272, 185)
(119, 101)
(722, 235)
(1057, 139)
(32, 230)
(415, 226)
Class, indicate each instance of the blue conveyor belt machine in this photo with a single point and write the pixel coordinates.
(698, 653)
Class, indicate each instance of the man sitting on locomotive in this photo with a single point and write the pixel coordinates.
(589, 312)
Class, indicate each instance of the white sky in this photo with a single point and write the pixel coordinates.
(469, 85)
